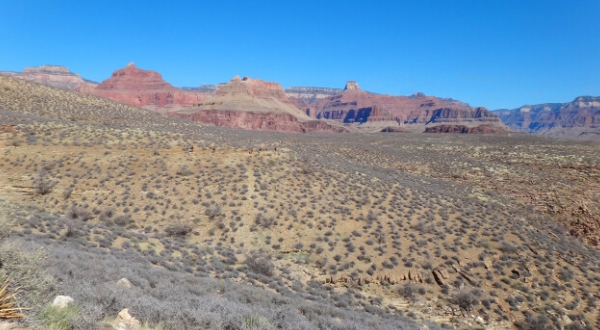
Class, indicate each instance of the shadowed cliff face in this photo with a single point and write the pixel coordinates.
(352, 105)
(578, 119)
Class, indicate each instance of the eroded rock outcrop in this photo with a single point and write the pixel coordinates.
(354, 106)
(392, 129)
(9, 128)
(55, 76)
(579, 119)
(464, 129)
(254, 104)
(145, 88)
(415, 277)
(301, 95)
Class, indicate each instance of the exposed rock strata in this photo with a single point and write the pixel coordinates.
(578, 119)
(254, 104)
(53, 75)
(281, 122)
(310, 94)
(354, 106)
(463, 129)
(392, 129)
(145, 88)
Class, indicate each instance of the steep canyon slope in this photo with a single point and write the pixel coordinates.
(358, 108)
(254, 104)
(145, 88)
(579, 119)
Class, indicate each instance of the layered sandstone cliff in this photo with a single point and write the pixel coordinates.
(145, 88)
(53, 75)
(254, 104)
(579, 119)
(311, 94)
(356, 107)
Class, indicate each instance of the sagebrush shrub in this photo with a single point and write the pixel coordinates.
(261, 264)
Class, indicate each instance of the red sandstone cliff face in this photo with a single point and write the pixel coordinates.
(303, 105)
(254, 104)
(251, 95)
(281, 122)
(55, 76)
(247, 120)
(144, 88)
(353, 105)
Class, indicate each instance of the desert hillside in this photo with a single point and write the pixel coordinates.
(270, 230)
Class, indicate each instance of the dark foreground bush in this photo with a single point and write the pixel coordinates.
(178, 229)
(541, 322)
(260, 264)
(466, 298)
(42, 184)
(410, 292)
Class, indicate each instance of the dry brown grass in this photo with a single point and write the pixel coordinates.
(8, 309)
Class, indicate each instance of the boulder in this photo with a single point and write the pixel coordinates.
(440, 276)
(566, 320)
(470, 278)
(479, 320)
(62, 301)
(124, 283)
(487, 262)
(125, 321)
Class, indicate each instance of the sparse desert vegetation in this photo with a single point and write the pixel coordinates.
(257, 230)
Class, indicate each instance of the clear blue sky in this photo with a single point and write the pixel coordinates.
(493, 53)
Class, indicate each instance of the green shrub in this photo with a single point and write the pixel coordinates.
(59, 318)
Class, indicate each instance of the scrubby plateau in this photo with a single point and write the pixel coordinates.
(219, 228)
